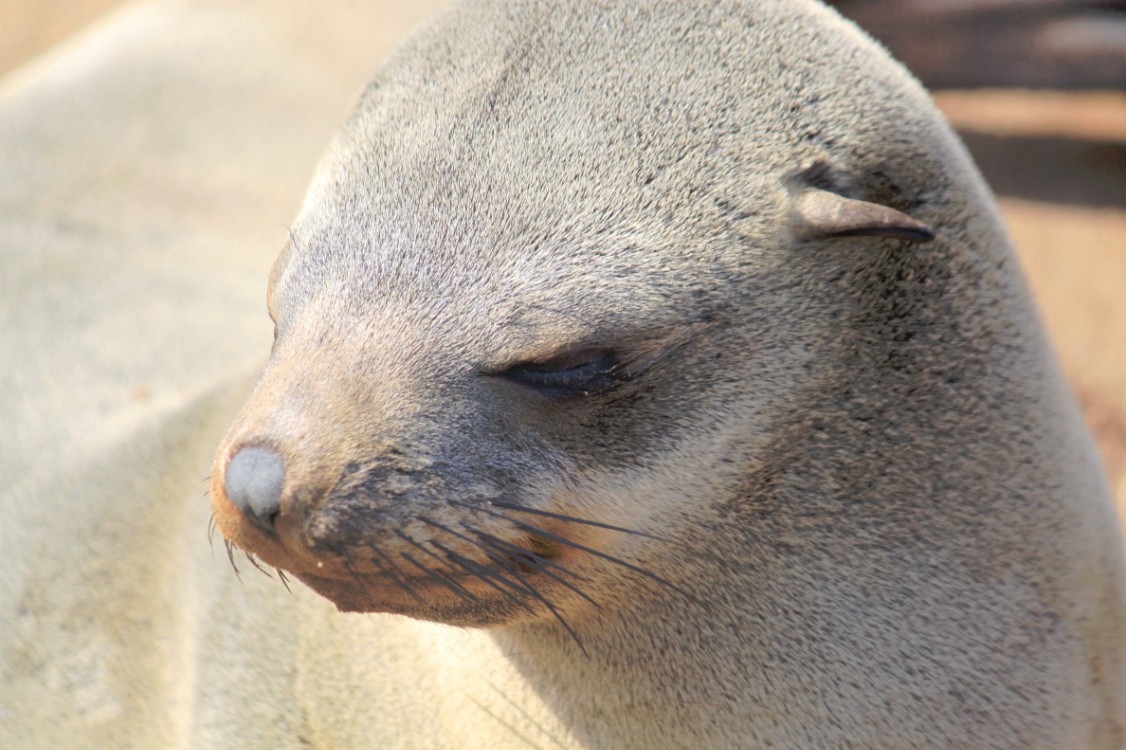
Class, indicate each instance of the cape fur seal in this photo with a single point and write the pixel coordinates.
(680, 346)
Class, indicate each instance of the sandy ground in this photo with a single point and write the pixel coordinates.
(29, 27)
(1056, 161)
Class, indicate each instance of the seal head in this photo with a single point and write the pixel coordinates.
(518, 280)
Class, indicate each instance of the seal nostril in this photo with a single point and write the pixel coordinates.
(253, 482)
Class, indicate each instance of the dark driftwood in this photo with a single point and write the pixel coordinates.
(1064, 44)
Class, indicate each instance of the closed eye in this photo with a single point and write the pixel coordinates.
(581, 373)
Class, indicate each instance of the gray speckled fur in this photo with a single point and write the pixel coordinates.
(863, 461)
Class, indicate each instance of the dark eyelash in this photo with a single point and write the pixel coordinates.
(564, 377)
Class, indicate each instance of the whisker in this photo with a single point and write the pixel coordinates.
(589, 550)
(450, 582)
(504, 724)
(420, 547)
(563, 517)
(535, 592)
(389, 571)
(485, 575)
(537, 561)
(610, 558)
(356, 576)
(437, 576)
(543, 571)
(254, 561)
(231, 557)
(284, 579)
(527, 716)
(522, 553)
(211, 533)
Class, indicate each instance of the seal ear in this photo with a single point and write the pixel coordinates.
(818, 211)
(820, 214)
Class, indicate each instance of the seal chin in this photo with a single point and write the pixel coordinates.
(451, 602)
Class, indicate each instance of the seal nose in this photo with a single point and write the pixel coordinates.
(254, 484)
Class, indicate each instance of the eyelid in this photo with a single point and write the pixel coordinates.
(567, 360)
(584, 372)
(630, 358)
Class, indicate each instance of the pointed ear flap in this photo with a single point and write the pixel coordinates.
(820, 215)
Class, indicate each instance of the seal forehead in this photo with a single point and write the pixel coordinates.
(507, 120)
(511, 145)
(535, 295)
